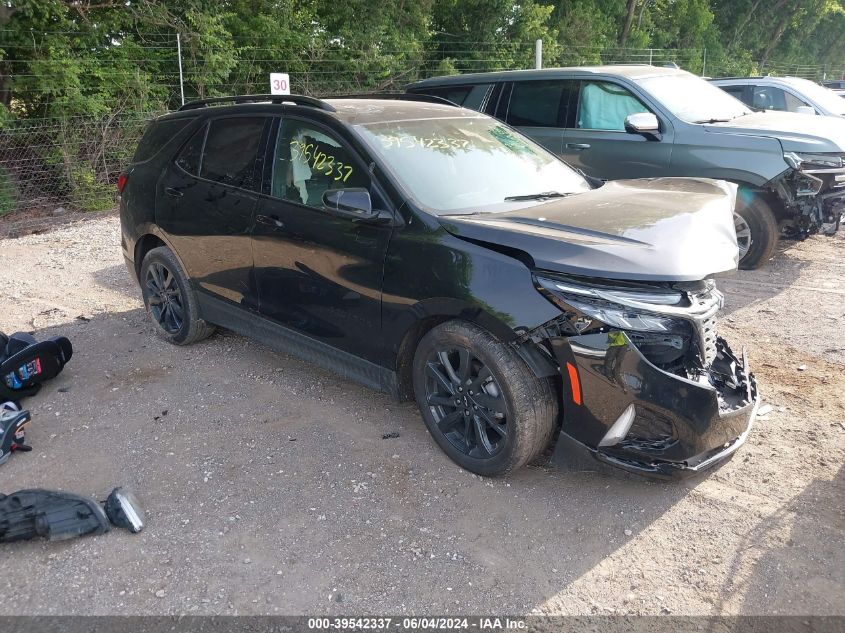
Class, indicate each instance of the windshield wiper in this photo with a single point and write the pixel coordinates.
(714, 120)
(538, 196)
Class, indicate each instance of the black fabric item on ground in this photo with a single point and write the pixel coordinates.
(25, 363)
(50, 514)
(12, 436)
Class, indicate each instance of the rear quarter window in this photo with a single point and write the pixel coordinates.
(156, 136)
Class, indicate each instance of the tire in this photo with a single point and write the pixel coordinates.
(754, 219)
(490, 414)
(169, 299)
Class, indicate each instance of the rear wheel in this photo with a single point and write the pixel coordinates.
(481, 403)
(757, 230)
(169, 299)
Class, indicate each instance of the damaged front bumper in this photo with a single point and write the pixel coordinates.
(814, 191)
(631, 414)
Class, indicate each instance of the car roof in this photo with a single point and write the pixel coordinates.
(365, 111)
(739, 81)
(352, 111)
(630, 71)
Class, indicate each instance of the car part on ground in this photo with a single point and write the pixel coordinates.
(12, 436)
(57, 515)
(701, 131)
(25, 363)
(125, 511)
(470, 269)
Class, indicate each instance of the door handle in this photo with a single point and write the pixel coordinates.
(578, 146)
(271, 221)
(173, 193)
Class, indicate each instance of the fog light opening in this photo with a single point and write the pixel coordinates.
(620, 428)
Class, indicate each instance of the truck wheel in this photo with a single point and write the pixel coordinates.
(757, 231)
(169, 299)
(481, 403)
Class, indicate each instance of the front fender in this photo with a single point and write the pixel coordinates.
(430, 274)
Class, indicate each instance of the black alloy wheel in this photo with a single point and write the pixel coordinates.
(165, 298)
(466, 402)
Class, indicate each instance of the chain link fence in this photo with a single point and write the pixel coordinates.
(54, 165)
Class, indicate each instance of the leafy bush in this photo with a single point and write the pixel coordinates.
(8, 193)
(88, 194)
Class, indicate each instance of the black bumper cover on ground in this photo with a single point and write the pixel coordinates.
(681, 427)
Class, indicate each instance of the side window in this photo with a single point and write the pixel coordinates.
(475, 98)
(308, 162)
(231, 150)
(455, 94)
(771, 98)
(189, 157)
(156, 136)
(603, 106)
(734, 91)
(793, 102)
(538, 103)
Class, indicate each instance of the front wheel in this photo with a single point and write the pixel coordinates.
(757, 231)
(481, 403)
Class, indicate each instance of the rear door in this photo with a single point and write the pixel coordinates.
(597, 143)
(540, 109)
(316, 272)
(206, 202)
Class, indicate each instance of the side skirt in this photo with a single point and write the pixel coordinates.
(267, 332)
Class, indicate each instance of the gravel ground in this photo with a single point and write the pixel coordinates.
(269, 488)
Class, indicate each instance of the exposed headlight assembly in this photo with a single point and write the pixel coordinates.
(621, 308)
(815, 163)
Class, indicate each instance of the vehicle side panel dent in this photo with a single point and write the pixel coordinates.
(430, 273)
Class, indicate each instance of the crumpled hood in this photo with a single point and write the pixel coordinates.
(796, 132)
(661, 229)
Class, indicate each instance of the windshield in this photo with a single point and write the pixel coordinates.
(824, 97)
(692, 99)
(466, 165)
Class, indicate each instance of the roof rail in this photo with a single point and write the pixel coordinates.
(295, 99)
(399, 96)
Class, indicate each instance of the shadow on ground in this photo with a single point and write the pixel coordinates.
(269, 486)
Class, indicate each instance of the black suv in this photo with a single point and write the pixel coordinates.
(434, 252)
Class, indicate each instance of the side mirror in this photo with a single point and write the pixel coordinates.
(805, 109)
(351, 203)
(644, 123)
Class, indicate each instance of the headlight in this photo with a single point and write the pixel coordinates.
(620, 308)
(814, 162)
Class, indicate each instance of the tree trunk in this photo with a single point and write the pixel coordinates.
(777, 35)
(629, 20)
(744, 22)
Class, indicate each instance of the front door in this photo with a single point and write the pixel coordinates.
(598, 144)
(316, 272)
(207, 199)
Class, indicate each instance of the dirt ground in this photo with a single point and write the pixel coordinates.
(269, 488)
